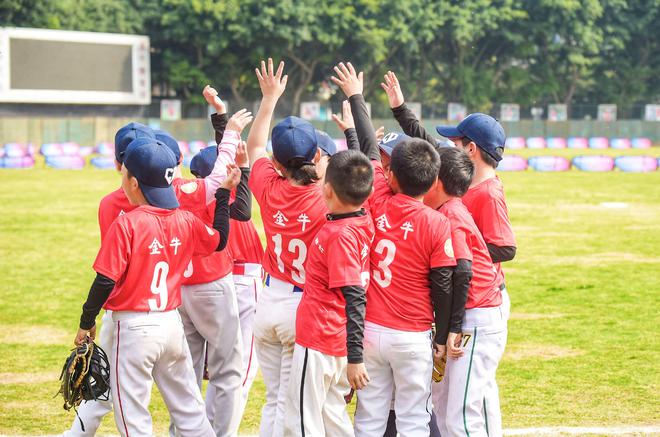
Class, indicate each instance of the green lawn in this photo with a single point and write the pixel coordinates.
(583, 344)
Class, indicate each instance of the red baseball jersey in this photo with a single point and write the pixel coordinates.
(338, 257)
(244, 242)
(205, 269)
(292, 216)
(191, 194)
(470, 245)
(146, 252)
(487, 205)
(112, 206)
(410, 240)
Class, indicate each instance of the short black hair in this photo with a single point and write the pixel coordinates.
(351, 176)
(415, 163)
(456, 171)
(484, 155)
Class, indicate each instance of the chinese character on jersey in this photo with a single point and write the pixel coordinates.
(406, 227)
(303, 219)
(155, 247)
(382, 224)
(280, 219)
(175, 243)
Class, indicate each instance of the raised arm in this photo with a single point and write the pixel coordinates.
(219, 119)
(404, 116)
(272, 86)
(347, 125)
(226, 152)
(241, 208)
(351, 84)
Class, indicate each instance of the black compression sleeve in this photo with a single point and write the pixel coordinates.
(365, 130)
(461, 283)
(241, 207)
(500, 254)
(221, 217)
(441, 291)
(355, 308)
(98, 294)
(352, 142)
(219, 122)
(410, 125)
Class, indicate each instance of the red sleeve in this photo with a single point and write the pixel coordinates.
(442, 254)
(206, 238)
(382, 189)
(191, 193)
(115, 252)
(460, 243)
(262, 175)
(494, 223)
(344, 262)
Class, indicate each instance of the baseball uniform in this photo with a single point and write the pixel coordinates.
(339, 257)
(292, 215)
(410, 240)
(458, 400)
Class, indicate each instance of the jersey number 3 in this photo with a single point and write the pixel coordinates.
(298, 264)
(383, 276)
(159, 287)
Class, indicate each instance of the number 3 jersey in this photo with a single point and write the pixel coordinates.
(292, 216)
(410, 240)
(146, 252)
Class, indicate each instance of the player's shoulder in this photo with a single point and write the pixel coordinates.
(491, 188)
(187, 186)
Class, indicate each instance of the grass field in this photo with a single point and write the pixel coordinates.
(583, 344)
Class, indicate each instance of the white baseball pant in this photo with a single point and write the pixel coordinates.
(210, 321)
(315, 405)
(248, 284)
(402, 361)
(148, 347)
(275, 337)
(91, 413)
(459, 399)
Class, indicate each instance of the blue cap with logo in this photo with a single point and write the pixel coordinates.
(169, 141)
(390, 140)
(294, 138)
(152, 163)
(203, 162)
(126, 134)
(325, 143)
(484, 130)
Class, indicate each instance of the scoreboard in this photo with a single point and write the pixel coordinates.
(67, 67)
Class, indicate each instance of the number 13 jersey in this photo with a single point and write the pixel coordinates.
(410, 240)
(146, 252)
(292, 215)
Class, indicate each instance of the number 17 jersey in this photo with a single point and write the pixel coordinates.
(292, 215)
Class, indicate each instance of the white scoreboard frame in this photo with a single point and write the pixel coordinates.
(141, 74)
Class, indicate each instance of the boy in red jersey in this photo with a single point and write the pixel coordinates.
(412, 263)
(160, 239)
(293, 211)
(327, 360)
(477, 331)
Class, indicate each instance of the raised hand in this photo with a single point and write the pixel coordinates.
(393, 90)
(272, 83)
(211, 96)
(239, 120)
(346, 120)
(380, 133)
(242, 160)
(348, 80)
(233, 177)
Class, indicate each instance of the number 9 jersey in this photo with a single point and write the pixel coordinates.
(292, 215)
(146, 252)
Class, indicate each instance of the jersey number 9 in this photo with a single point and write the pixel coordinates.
(159, 287)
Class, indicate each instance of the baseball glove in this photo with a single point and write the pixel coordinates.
(85, 376)
(439, 370)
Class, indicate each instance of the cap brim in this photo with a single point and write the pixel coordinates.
(160, 197)
(449, 131)
(386, 149)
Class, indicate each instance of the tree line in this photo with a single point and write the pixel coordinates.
(478, 52)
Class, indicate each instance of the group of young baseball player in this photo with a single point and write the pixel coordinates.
(380, 277)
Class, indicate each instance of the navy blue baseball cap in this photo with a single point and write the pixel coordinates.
(152, 163)
(170, 142)
(126, 134)
(484, 130)
(390, 140)
(201, 165)
(294, 138)
(325, 143)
